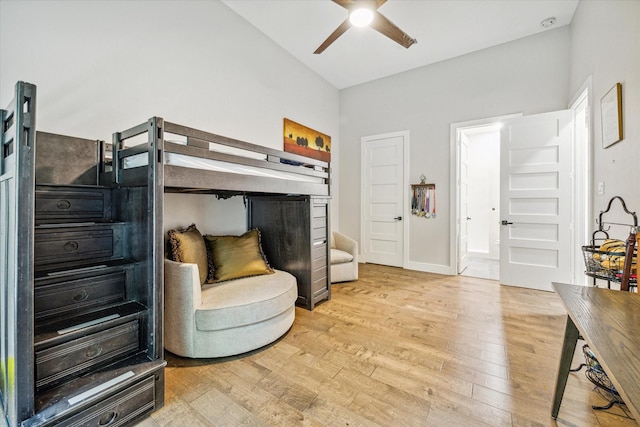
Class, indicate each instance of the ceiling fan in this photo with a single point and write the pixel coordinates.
(376, 20)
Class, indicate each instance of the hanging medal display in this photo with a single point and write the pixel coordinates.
(427, 204)
(423, 199)
(433, 201)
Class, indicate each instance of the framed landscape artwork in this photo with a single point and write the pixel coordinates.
(299, 139)
(611, 116)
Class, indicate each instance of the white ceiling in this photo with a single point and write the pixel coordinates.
(444, 29)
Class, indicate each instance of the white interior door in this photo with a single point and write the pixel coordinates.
(535, 200)
(383, 198)
(463, 247)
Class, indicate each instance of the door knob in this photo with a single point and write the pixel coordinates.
(468, 218)
(398, 218)
(505, 222)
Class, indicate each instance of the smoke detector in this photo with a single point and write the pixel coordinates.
(546, 23)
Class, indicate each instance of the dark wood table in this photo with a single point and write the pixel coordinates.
(609, 321)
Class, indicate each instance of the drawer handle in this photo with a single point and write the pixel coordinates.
(94, 351)
(108, 418)
(63, 205)
(81, 295)
(71, 246)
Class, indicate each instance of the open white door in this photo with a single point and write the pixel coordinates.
(463, 247)
(535, 200)
(383, 198)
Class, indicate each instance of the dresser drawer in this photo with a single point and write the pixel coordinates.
(319, 234)
(119, 409)
(319, 273)
(319, 211)
(73, 296)
(77, 356)
(319, 251)
(93, 242)
(319, 287)
(319, 258)
(65, 204)
(319, 222)
(319, 207)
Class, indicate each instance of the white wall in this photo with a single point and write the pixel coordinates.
(206, 212)
(103, 66)
(605, 44)
(528, 75)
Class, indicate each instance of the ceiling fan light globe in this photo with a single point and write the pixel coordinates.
(361, 17)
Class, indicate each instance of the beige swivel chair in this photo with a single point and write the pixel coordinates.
(344, 258)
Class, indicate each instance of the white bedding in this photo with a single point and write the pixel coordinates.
(183, 160)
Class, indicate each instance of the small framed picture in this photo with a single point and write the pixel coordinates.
(611, 116)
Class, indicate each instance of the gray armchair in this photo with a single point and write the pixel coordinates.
(344, 258)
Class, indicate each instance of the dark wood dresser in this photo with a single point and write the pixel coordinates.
(93, 315)
(295, 239)
(80, 289)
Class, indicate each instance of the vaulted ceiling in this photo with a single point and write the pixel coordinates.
(444, 29)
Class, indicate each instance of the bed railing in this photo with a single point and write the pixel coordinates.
(17, 204)
(293, 173)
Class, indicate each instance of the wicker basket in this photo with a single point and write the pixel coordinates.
(598, 263)
(593, 258)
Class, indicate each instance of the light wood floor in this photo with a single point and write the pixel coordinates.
(396, 348)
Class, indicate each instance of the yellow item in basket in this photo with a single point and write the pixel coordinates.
(617, 263)
(612, 243)
(614, 258)
(609, 245)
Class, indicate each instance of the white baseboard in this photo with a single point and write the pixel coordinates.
(429, 268)
(422, 266)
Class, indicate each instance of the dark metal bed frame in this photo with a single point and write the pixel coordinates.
(17, 146)
(184, 179)
(37, 198)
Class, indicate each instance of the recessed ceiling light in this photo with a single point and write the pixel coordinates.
(548, 22)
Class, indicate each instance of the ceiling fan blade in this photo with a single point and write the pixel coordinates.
(384, 26)
(342, 28)
(348, 4)
(345, 3)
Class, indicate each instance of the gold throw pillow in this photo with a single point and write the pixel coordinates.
(237, 256)
(188, 246)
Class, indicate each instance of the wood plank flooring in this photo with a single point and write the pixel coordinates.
(396, 348)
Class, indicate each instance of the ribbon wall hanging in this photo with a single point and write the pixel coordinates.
(423, 199)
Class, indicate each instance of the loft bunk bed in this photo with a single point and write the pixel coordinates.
(82, 258)
(287, 194)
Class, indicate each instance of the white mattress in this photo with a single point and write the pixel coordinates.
(183, 160)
